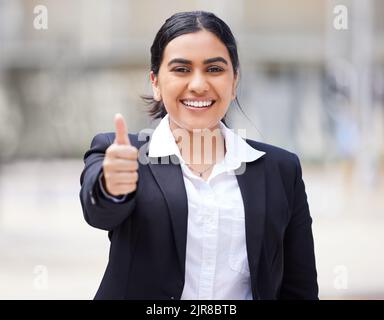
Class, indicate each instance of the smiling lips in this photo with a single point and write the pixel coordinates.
(198, 104)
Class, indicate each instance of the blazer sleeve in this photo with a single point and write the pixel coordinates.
(300, 276)
(99, 211)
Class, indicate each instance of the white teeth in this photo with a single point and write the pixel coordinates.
(197, 104)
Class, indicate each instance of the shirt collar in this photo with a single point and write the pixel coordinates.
(238, 150)
(162, 142)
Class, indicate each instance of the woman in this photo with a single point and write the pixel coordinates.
(198, 212)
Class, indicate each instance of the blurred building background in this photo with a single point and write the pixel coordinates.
(305, 86)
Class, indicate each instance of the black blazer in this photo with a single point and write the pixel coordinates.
(148, 231)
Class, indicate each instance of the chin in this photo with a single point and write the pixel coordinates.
(196, 122)
(201, 125)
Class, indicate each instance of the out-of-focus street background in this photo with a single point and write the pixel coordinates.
(312, 82)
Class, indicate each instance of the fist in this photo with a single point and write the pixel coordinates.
(120, 165)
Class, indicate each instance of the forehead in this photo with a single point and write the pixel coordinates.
(196, 46)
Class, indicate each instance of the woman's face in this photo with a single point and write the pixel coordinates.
(196, 81)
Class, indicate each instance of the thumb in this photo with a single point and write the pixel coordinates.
(121, 132)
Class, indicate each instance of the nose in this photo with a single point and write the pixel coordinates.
(198, 83)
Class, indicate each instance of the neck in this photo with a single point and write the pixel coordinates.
(200, 146)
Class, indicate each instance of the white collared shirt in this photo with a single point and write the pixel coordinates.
(216, 257)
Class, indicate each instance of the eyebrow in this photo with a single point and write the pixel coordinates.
(207, 61)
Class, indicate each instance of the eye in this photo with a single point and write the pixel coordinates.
(214, 69)
(181, 69)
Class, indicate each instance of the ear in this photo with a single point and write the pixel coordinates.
(234, 88)
(155, 86)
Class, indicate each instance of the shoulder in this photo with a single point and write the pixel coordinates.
(105, 139)
(274, 153)
(282, 167)
(276, 159)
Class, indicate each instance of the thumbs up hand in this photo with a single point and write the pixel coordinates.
(120, 165)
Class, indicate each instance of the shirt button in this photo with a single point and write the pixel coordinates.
(172, 298)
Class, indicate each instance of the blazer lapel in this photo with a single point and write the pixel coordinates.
(252, 187)
(170, 179)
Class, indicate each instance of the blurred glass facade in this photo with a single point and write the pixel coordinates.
(305, 86)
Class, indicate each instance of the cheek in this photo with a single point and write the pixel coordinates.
(171, 88)
(225, 87)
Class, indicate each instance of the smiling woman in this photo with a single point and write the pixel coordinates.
(229, 219)
(195, 86)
